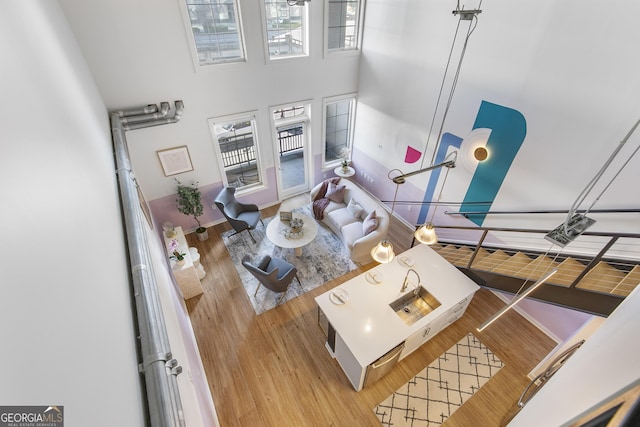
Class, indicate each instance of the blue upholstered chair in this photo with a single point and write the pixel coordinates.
(241, 216)
(274, 273)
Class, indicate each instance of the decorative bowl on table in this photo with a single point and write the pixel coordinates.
(295, 229)
(296, 225)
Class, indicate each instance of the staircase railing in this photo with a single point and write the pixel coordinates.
(621, 249)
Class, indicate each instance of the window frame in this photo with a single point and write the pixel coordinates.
(330, 164)
(306, 32)
(360, 22)
(193, 48)
(251, 116)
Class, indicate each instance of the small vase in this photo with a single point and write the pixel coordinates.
(180, 262)
(345, 169)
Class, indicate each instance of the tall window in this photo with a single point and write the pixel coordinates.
(237, 148)
(216, 30)
(338, 128)
(343, 24)
(286, 29)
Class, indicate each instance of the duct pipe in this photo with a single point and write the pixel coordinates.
(151, 108)
(157, 365)
(158, 121)
(164, 110)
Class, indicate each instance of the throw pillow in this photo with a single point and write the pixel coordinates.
(370, 223)
(354, 208)
(335, 192)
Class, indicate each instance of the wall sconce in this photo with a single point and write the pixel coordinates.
(481, 154)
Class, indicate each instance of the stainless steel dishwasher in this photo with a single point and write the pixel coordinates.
(380, 367)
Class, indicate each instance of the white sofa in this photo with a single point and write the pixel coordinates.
(349, 228)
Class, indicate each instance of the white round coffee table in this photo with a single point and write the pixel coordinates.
(277, 230)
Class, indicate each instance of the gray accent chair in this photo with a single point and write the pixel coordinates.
(241, 216)
(274, 273)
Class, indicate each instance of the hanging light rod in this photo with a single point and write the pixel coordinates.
(516, 300)
(401, 179)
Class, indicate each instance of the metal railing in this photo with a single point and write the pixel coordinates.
(290, 139)
(240, 149)
(237, 150)
(619, 250)
(590, 244)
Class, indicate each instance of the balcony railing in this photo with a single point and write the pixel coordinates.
(290, 139)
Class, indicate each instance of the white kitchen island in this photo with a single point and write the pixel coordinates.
(365, 327)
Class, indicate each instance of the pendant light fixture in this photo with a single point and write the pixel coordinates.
(383, 251)
(426, 233)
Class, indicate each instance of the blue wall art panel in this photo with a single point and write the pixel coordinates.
(508, 130)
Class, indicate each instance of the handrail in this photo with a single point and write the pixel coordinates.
(157, 364)
(534, 230)
(613, 237)
(548, 211)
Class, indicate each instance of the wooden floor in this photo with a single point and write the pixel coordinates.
(273, 369)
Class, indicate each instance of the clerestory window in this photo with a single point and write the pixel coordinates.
(286, 29)
(217, 34)
(343, 22)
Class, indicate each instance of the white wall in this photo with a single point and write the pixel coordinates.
(606, 363)
(566, 66)
(67, 328)
(139, 53)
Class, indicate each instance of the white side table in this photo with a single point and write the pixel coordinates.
(195, 257)
(348, 174)
(186, 274)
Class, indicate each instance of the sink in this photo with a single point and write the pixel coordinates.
(415, 305)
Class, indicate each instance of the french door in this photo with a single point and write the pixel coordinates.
(291, 148)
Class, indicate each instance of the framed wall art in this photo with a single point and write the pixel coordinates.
(175, 160)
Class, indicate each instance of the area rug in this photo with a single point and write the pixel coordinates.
(322, 260)
(430, 397)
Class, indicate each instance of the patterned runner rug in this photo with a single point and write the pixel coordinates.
(322, 260)
(430, 397)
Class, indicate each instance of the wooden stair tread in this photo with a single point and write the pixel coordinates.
(465, 253)
(513, 264)
(568, 271)
(447, 252)
(628, 283)
(602, 278)
(490, 261)
(537, 268)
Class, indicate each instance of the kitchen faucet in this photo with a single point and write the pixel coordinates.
(406, 281)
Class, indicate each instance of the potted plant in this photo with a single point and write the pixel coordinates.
(190, 203)
(345, 153)
(176, 255)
